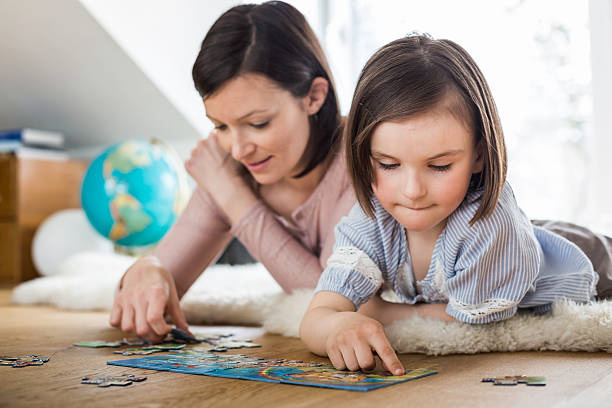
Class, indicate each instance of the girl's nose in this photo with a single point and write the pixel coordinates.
(414, 186)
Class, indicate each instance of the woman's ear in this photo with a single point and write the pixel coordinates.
(317, 95)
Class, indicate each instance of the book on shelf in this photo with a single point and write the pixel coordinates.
(38, 153)
(13, 138)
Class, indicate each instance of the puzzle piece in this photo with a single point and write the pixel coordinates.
(98, 343)
(119, 380)
(134, 341)
(203, 349)
(517, 379)
(145, 350)
(135, 351)
(176, 340)
(23, 361)
(237, 344)
(179, 335)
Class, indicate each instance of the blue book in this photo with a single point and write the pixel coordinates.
(13, 138)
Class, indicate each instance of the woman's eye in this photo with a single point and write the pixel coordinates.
(386, 166)
(221, 128)
(446, 167)
(260, 125)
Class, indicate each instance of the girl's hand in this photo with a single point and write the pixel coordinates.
(215, 170)
(355, 341)
(147, 292)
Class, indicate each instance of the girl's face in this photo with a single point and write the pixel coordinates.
(261, 125)
(423, 167)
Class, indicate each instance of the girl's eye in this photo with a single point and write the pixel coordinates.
(446, 167)
(385, 166)
(221, 128)
(260, 125)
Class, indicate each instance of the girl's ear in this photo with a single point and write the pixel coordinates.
(478, 165)
(317, 95)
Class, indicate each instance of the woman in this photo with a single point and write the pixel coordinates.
(270, 174)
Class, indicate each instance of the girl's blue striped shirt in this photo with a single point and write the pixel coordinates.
(484, 272)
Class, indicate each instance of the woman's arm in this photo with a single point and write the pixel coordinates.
(195, 241)
(253, 223)
(291, 265)
(331, 327)
(152, 286)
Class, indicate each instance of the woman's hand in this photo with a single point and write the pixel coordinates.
(355, 342)
(216, 171)
(146, 293)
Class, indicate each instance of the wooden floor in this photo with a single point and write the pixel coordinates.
(574, 379)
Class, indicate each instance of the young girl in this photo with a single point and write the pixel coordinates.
(437, 231)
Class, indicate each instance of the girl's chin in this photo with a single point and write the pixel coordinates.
(416, 225)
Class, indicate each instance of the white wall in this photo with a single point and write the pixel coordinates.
(104, 70)
(600, 15)
(163, 38)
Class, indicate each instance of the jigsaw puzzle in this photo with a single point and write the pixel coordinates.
(276, 371)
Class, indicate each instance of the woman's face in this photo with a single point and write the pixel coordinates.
(261, 125)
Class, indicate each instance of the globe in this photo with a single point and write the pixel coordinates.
(134, 191)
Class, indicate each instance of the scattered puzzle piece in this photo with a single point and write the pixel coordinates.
(237, 344)
(145, 350)
(135, 351)
(517, 379)
(98, 343)
(23, 361)
(119, 380)
(176, 340)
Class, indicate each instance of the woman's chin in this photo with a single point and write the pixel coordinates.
(265, 179)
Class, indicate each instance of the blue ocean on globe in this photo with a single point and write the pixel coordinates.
(133, 192)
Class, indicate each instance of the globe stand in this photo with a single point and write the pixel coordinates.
(136, 251)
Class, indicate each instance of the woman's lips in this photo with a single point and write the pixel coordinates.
(258, 166)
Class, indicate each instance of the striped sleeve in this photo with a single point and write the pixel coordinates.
(496, 265)
(353, 270)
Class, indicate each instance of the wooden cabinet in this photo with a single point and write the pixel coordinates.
(31, 190)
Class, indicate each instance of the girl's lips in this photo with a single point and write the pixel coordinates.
(418, 208)
(257, 166)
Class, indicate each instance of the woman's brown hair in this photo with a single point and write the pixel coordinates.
(414, 75)
(272, 39)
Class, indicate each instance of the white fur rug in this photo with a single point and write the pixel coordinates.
(247, 295)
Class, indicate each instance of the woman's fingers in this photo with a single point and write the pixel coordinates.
(175, 312)
(155, 316)
(115, 315)
(146, 293)
(127, 318)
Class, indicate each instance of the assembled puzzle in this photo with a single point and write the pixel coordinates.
(190, 361)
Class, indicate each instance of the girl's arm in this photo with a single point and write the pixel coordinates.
(331, 327)
(387, 312)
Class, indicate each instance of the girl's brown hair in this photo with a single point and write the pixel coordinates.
(414, 75)
(272, 39)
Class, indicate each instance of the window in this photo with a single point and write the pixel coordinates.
(535, 55)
